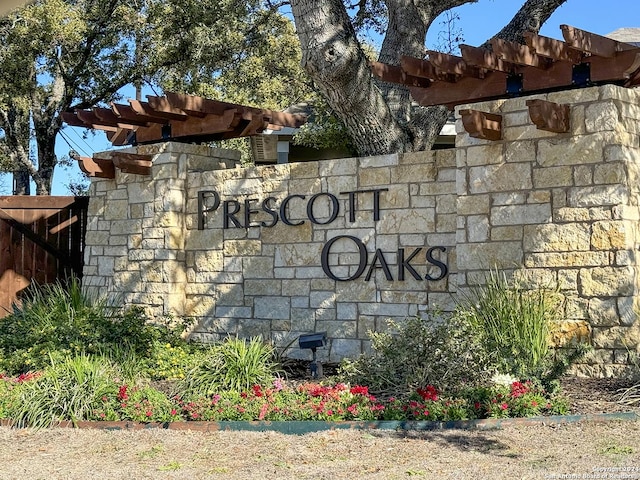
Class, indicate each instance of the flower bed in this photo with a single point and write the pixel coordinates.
(308, 401)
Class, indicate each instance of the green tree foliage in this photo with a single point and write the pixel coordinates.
(61, 54)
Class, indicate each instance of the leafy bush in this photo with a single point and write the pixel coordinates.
(55, 321)
(234, 364)
(437, 350)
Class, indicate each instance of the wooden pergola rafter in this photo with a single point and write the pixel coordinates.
(179, 117)
(509, 69)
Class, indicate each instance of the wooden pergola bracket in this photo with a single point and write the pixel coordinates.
(549, 116)
(483, 125)
(96, 167)
(132, 163)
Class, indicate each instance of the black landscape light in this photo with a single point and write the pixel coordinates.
(313, 341)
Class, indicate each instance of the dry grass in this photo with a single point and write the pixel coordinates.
(531, 452)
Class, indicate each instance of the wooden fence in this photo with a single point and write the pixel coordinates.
(41, 241)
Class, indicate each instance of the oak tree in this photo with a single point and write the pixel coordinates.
(379, 117)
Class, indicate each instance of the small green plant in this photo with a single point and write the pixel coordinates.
(439, 350)
(234, 364)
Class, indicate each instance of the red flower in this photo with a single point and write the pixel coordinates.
(257, 390)
(360, 390)
(428, 393)
(174, 411)
(122, 393)
(504, 406)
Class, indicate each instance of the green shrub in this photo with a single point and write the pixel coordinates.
(56, 321)
(438, 350)
(234, 364)
(66, 391)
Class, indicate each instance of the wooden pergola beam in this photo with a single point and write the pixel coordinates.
(483, 125)
(592, 43)
(549, 116)
(393, 74)
(517, 54)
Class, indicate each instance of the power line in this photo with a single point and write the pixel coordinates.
(73, 147)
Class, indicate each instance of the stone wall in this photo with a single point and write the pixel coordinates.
(563, 206)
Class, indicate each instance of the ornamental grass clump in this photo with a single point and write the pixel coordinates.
(233, 364)
(514, 323)
(68, 390)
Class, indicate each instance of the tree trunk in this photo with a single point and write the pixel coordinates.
(378, 116)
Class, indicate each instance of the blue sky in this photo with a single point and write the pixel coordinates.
(478, 22)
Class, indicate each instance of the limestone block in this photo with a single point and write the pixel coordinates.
(320, 299)
(607, 281)
(218, 325)
(566, 259)
(262, 287)
(405, 296)
(507, 233)
(611, 235)
(628, 310)
(325, 314)
(601, 116)
(568, 280)
(552, 177)
(239, 248)
(556, 237)
(578, 150)
(409, 221)
(438, 188)
(500, 177)
(339, 167)
(116, 210)
(294, 254)
(251, 328)
(481, 256)
(603, 312)
(304, 170)
(520, 214)
(347, 311)
(141, 255)
(598, 196)
(477, 228)
(270, 307)
(375, 177)
(391, 310)
(414, 173)
(473, 204)
(390, 160)
(230, 294)
(417, 158)
(366, 325)
(616, 337)
(570, 332)
(610, 173)
(232, 312)
(344, 348)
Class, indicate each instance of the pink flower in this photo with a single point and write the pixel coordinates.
(174, 411)
(263, 411)
(504, 406)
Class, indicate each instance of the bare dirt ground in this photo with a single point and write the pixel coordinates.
(546, 450)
